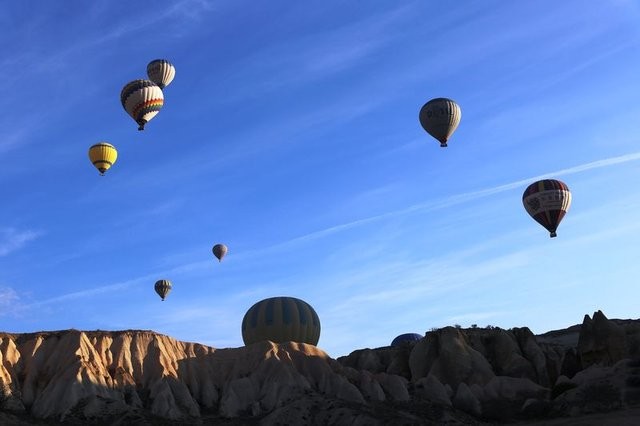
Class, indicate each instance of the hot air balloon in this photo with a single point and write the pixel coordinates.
(281, 319)
(142, 99)
(163, 287)
(219, 251)
(103, 155)
(440, 118)
(161, 72)
(547, 201)
(405, 339)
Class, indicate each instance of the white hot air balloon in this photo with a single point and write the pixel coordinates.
(161, 72)
(440, 117)
(142, 99)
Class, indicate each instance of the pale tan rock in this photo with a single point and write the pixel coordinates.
(124, 376)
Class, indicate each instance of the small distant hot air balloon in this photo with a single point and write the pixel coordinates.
(161, 72)
(163, 287)
(219, 251)
(547, 201)
(405, 339)
(440, 118)
(103, 155)
(142, 99)
(281, 319)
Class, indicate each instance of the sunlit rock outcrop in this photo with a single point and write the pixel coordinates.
(455, 375)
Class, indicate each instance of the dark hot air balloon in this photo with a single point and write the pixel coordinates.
(219, 251)
(405, 339)
(440, 117)
(281, 319)
(163, 287)
(547, 201)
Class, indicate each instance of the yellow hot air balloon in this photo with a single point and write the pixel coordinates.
(440, 117)
(142, 99)
(103, 155)
(161, 72)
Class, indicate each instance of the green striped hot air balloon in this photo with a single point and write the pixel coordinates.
(162, 287)
(281, 319)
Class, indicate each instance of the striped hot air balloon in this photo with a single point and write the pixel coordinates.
(406, 338)
(281, 319)
(163, 287)
(547, 201)
(440, 117)
(142, 99)
(161, 72)
(103, 155)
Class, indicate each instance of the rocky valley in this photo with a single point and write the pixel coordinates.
(451, 376)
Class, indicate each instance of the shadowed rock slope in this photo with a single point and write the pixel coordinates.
(141, 377)
(509, 375)
(452, 376)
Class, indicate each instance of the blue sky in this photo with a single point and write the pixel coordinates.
(290, 133)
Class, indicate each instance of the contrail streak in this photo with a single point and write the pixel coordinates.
(426, 206)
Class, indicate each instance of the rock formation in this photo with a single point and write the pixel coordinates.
(601, 341)
(451, 376)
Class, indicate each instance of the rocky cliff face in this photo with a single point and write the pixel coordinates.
(498, 374)
(137, 377)
(451, 376)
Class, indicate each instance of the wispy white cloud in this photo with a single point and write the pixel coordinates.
(12, 138)
(471, 317)
(9, 300)
(90, 292)
(87, 293)
(12, 239)
(437, 272)
(457, 199)
(185, 9)
(36, 64)
(471, 285)
(317, 56)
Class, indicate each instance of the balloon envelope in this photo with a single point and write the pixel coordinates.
(163, 287)
(406, 338)
(219, 251)
(281, 319)
(142, 99)
(547, 201)
(103, 155)
(161, 72)
(440, 117)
